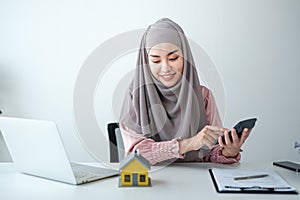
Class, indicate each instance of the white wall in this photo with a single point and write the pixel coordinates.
(254, 44)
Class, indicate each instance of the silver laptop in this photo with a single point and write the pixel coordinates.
(37, 149)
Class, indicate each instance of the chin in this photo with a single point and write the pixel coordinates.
(168, 84)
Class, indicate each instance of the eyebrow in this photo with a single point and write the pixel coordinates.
(170, 53)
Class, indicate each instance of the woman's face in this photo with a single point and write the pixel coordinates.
(166, 63)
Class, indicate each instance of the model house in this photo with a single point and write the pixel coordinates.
(134, 170)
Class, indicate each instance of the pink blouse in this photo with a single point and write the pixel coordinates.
(156, 152)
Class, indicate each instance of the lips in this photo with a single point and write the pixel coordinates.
(167, 77)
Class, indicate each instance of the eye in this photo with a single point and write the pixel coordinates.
(173, 58)
(155, 61)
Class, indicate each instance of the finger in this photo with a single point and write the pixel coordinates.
(213, 134)
(227, 138)
(216, 129)
(245, 134)
(210, 143)
(221, 143)
(205, 138)
(207, 133)
(235, 137)
(210, 139)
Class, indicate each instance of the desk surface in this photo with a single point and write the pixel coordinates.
(177, 181)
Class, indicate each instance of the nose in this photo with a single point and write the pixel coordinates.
(165, 66)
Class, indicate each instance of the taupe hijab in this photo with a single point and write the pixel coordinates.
(159, 112)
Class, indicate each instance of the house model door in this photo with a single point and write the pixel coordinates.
(134, 179)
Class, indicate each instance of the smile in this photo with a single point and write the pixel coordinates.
(167, 77)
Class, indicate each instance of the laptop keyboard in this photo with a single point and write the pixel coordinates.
(81, 171)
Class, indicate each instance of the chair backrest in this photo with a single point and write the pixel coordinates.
(116, 145)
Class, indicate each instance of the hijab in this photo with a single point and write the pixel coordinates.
(159, 112)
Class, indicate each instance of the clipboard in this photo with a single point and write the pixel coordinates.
(249, 181)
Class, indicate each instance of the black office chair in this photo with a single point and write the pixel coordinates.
(116, 146)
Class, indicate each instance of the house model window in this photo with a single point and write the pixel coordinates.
(127, 178)
(142, 178)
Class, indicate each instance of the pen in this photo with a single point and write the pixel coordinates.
(250, 177)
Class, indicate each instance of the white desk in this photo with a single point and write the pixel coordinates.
(178, 181)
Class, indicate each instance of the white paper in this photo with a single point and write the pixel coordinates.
(225, 180)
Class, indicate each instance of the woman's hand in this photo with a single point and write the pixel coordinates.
(206, 137)
(232, 148)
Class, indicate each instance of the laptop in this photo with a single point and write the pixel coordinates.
(37, 149)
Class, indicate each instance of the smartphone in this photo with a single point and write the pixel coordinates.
(288, 165)
(239, 127)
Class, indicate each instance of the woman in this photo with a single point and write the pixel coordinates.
(167, 114)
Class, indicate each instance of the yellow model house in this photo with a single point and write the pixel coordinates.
(134, 170)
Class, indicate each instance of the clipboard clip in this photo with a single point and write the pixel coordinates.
(255, 188)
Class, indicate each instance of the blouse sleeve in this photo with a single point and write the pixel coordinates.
(212, 113)
(154, 152)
